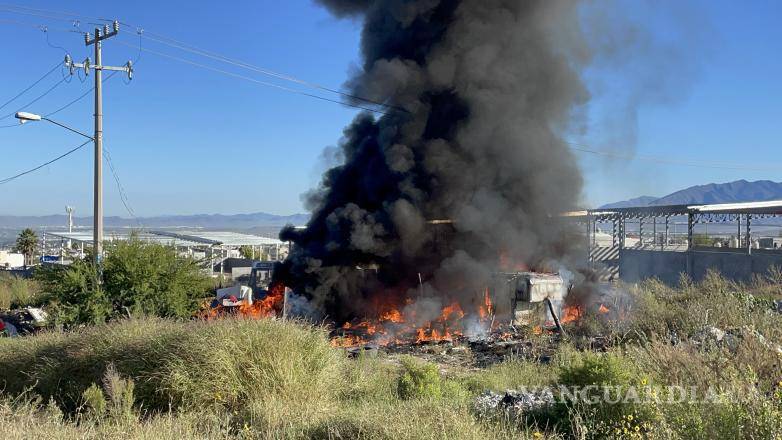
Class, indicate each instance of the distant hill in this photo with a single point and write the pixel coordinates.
(208, 221)
(731, 192)
(638, 201)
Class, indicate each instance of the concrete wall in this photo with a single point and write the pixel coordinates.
(636, 265)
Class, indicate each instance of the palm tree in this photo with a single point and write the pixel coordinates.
(26, 244)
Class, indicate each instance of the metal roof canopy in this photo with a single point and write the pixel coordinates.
(221, 238)
(86, 237)
(771, 207)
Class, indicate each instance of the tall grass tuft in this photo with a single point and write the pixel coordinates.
(181, 365)
(18, 292)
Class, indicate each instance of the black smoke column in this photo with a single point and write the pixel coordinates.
(485, 87)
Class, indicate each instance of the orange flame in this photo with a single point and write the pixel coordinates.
(270, 306)
(603, 309)
(571, 313)
(391, 326)
(392, 315)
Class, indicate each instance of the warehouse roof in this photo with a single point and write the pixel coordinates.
(85, 236)
(770, 207)
(221, 238)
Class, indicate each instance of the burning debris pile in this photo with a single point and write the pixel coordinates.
(394, 326)
(473, 96)
(271, 305)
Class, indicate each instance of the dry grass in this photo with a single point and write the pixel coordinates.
(271, 379)
(17, 292)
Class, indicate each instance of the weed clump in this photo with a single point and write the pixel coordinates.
(419, 380)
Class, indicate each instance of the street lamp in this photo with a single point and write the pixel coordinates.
(97, 229)
(31, 117)
(25, 117)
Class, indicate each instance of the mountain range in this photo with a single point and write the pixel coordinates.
(207, 221)
(731, 192)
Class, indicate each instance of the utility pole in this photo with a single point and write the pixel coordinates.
(69, 210)
(98, 67)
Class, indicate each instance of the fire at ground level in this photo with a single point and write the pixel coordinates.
(502, 315)
(492, 310)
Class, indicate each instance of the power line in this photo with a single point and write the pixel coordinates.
(661, 160)
(82, 96)
(45, 13)
(257, 81)
(192, 49)
(31, 85)
(23, 173)
(111, 75)
(122, 194)
(162, 39)
(32, 25)
(34, 100)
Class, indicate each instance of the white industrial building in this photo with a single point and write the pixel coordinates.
(212, 247)
(11, 260)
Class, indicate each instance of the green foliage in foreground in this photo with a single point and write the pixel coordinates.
(418, 379)
(18, 292)
(157, 378)
(139, 279)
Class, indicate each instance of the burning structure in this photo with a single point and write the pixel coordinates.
(473, 96)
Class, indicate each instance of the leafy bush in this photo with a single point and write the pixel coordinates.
(419, 380)
(75, 295)
(138, 279)
(597, 416)
(18, 292)
(94, 402)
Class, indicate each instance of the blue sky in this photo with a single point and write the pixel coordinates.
(187, 140)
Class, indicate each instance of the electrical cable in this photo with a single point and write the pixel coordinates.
(32, 102)
(31, 25)
(108, 77)
(138, 57)
(661, 160)
(171, 42)
(69, 152)
(82, 96)
(257, 81)
(45, 13)
(215, 56)
(46, 33)
(122, 194)
(31, 85)
(192, 49)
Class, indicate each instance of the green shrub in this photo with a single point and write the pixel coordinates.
(18, 292)
(75, 295)
(511, 374)
(139, 279)
(597, 416)
(419, 380)
(94, 405)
